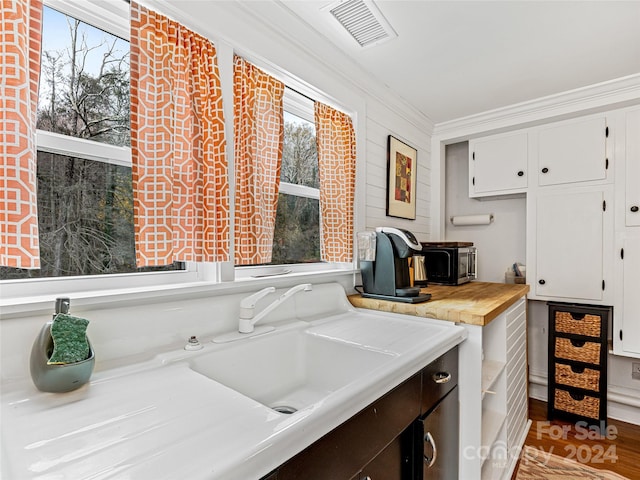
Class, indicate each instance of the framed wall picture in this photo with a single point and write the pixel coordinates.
(401, 179)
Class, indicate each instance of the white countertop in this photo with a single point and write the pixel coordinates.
(162, 420)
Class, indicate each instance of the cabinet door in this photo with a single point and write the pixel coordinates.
(631, 299)
(573, 151)
(632, 177)
(569, 236)
(441, 441)
(387, 465)
(498, 164)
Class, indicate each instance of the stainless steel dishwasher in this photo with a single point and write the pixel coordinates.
(436, 431)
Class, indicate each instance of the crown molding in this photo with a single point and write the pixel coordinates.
(616, 93)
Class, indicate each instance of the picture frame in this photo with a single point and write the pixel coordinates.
(402, 163)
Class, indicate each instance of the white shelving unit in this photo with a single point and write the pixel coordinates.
(492, 423)
(493, 395)
(491, 370)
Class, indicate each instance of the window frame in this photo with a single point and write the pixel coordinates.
(302, 106)
(113, 17)
(106, 16)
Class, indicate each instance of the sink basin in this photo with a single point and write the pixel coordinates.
(290, 370)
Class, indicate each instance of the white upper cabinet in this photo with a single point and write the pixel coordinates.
(572, 151)
(632, 177)
(569, 236)
(498, 165)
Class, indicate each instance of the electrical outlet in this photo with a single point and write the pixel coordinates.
(635, 370)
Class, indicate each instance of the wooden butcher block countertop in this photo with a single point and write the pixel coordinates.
(473, 303)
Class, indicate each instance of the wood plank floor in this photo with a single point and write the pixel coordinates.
(620, 452)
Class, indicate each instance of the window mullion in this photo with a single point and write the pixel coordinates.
(299, 190)
(81, 148)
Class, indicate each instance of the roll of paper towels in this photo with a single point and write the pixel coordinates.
(461, 220)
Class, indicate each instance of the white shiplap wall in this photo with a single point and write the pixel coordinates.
(382, 121)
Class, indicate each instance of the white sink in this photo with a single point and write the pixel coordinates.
(289, 370)
(206, 414)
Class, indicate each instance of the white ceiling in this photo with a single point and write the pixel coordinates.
(454, 58)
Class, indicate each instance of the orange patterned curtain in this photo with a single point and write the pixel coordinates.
(337, 168)
(20, 42)
(259, 136)
(181, 190)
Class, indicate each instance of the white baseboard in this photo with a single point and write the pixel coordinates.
(622, 404)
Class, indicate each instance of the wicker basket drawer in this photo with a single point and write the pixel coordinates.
(588, 352)
(583, 405)
(580, 324)
(580, 377)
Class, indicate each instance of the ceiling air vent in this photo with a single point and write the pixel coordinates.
(364, 22)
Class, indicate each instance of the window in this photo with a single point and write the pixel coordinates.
(85, 199)
(297, 230)
(84, 165)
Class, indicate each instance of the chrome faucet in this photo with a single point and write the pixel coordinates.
(247, 305)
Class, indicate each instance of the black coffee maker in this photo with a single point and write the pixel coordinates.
(385, 275)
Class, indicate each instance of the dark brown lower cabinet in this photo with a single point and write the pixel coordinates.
(393, 463)
(343, 452)
(381, 441)
(438, 430)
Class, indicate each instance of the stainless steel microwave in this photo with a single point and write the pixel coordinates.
(450, 263)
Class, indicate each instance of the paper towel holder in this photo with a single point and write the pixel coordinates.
(470, 220)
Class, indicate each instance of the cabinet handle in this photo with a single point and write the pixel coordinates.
(428, 438)
(634, 208)
(520, 173)
(542, 281)
(545, 170)
(441, 377)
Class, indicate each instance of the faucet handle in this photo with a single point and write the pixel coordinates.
(249, 303)
(62, 305)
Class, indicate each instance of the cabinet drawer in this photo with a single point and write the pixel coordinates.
(580, 377)
(438, 379)
(576, 403)
(578, 323)
(581, 351)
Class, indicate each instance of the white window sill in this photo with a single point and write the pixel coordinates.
(43, 304)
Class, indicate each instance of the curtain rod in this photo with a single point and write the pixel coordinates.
(301, 94)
